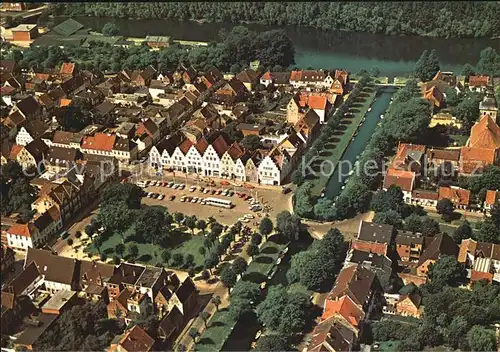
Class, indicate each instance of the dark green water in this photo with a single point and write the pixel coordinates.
(356, 147)
(393, 55)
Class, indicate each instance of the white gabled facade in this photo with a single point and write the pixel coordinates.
(194, 160)
(227, 165)
(269, 172)
(211, 162)
(178, 160)
(23, 137)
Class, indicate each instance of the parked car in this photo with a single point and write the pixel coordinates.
(214, 191)
(194, 200)
(219, 191)
(230, 193)
(248, 197)
(285, 190)
(202, 189)
(206, 191)
(161, 196)
(170, 184)
(182, 186)
(192, 189)
(150, 194)
(153, 183)
(249, 216)
(183, 198)
(171, 198)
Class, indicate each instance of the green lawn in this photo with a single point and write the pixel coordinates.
(338, 143)
(457, 140)
(150, 254)
(389, 346)
(219, 329)
(221, 324)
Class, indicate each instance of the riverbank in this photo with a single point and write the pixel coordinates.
(315, 48)
(340, 140)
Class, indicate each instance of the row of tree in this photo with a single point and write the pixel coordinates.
(306, 203)
(16, 193)
(407, 18)
(406, 119)
(235, 50)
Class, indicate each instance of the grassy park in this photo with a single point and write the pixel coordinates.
(341, 138)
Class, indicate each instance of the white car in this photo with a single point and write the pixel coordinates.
(243, 220)
(206, 191)
(249, 216)
(192, 189)
(194, 200)
(175, 186)
(153, 183)
(161, 196)
(203, 202)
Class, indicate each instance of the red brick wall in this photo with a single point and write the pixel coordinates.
(21, 36)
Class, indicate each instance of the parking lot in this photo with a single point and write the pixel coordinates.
(264, 201)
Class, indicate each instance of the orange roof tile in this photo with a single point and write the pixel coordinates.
(317, 102)
(64, 102)
(476, 158)
(401, 178)
(21, 229)
(296, 76)
(458, 196)
(15, 150)
(67, 68)
(468, 245)
(344, 307)
(479, 81)
(479, 275)
(267, 76)
(485, 134)
(492, 197)
(185, 145)
(201, 145)
(100, 141)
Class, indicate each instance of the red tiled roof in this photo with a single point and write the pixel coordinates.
(136, 339)
(479, 81)
(185, 145)
(317, 102)
(344, 307)
(296, 76)
(342, 75)
(370, 247)
(67, 68)
(16, 149)
(266, 76)
(423, 194)
(64, 102)
(492, 197)
(403, 150)
(458, 196)
(479, 275)
(235, 151)
(485, 134)
(403, 179)
(201, 145)
(220, 145)
(475, 158)
(21, 229)
(100, 141)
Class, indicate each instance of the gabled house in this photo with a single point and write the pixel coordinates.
(29, 131)
(160, 155)
(306, 78)
(32, 154)
(442, 244)
(459, 197)
(478, 83)
(492, 198)
(133, 340)
(249, 78)
(409, 246)
(231, 93)
(278, 79)
(480, 259)
(333, 335)
(28, 108)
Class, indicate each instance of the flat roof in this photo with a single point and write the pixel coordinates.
(59, 300)
(157, 38)
(23, 28)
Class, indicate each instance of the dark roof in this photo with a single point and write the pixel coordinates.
(28, 105)
(68, 27)
(185, 290)
(104, 108)
(331, 332)
(63, 137)
(25, 278)
(171, 322)
(169, 144)
(92, 271)
(29, 336)
(123, 144)
(372, 232)
(54, 268)
(36, 148)
(408, 238)
(376, 260)
(149, 276)
(354, 281)
(127, 273)
(35, 128)
(442, 244)
(61, 154)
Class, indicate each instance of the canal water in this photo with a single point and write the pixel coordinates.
(356, 147)
(393, 55)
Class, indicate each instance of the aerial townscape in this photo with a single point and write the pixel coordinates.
(268, 176)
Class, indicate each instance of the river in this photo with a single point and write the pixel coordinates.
(393, 55)
(356, 147)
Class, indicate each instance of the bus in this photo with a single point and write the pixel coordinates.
(217, 202)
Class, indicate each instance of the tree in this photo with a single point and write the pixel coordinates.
(69, 241)
(489, 62)
(165, 256)
(188, 260)
(481, 339)
(78, 234)
(201, 225)
(468, 70)
(133, 251)
(297, 177)
(467, 111)
(413, 223)
(266, 226)
(488, 231)
(193, 333)
(103, 257)
(325, 210)
(457, 332)
(191, 222)
(308, 268)
(204, 316)
(177, 259)
(304, 200)
(446, 271)
(228, 277)
(216, 301)
(390, 217)
(211, 260)
(116, 260)
(126, 192)
(272, 342)
(430, 227)
(202, 250)
(252, 250)
(452, 98)
(239, 265)
(446, 208)
(270, 309)
(246, 290)
(251, 142)
(150, 225)
(115, 217)
(178, 218)
(256, 238)
(427, 65)
(110, 29)
(463, 232)
(120, 249)
(292, 319)
(288, 225)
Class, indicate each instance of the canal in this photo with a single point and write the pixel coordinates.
(356, 147)
(393, 55)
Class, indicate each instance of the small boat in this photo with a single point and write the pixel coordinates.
(342, 187)
(278, 261)
(351, 172)
(369, 109)
(364, 119)
(382, 116)
(322, 194)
